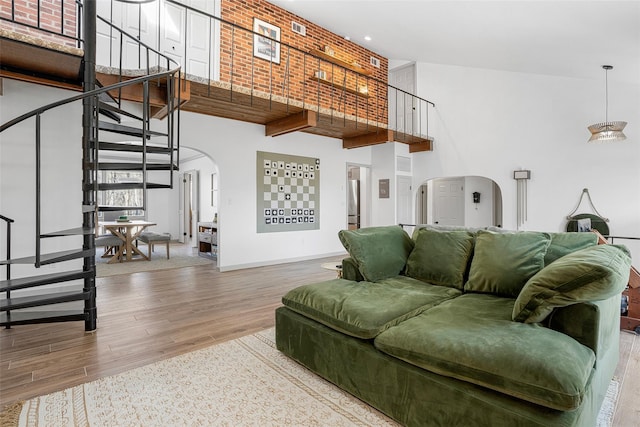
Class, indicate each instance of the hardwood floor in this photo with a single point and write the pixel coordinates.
(150, 316)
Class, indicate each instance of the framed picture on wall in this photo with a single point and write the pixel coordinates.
(265, 45)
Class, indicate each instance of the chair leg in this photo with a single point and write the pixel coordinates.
(167, 249)
(150, 247)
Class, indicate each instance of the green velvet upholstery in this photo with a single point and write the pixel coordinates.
(591, 274)
(364, 309)
(493, 351)
(440, 258)
(564, 243)
(470, 363)
(379, 252)
(503, 262)
(413, 396)
(350, 270)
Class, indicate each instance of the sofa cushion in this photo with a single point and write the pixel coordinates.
(364, 309)
(591, 274)
(564, 243)
(440, 257)
(472, 338)
(503, 262)
(379, 252)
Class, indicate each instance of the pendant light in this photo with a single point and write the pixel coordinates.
(607, 131)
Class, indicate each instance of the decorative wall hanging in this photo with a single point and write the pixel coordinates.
(264, 44)
(587, 221)
(288, 192)
(607, 131)
(521, 177)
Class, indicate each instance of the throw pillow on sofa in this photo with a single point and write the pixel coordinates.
(565, 243)
(440, 257)
(503, 262)
(591, 274)
(379, 252)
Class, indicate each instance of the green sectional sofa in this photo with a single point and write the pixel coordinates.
(461, 327)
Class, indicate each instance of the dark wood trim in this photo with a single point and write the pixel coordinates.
(292, 123)
(372, 138)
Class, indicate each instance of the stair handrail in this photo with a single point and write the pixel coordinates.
(83, 95)
(415, 100)
(8, 221)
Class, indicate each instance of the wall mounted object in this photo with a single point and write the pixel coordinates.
(521, 177)
(607, 131)
(265, 43)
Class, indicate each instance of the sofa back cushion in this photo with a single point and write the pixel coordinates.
(591, 274)
(565, 243)
(503, 262)
(379, 252)
(440, 257)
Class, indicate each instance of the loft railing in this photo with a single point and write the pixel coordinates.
(59, 19)
(229, 58)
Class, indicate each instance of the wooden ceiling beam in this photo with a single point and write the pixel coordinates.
(421, 146)
(292, 123)
(373, 138)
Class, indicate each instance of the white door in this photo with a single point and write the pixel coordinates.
(138, 20)
(403, 200)
(191, 38)
(402, 112)
(448, 201)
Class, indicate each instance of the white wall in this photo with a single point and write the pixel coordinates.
(233, 145)
(490, 123)
(61, 176)
(478, 214)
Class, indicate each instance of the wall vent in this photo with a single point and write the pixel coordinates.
(298, 28)
(375, 62)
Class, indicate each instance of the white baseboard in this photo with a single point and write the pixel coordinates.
(279, 261)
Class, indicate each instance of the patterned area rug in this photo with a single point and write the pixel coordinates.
(244, 382)
(180, 256)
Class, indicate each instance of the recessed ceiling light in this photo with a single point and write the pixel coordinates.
(367, 38)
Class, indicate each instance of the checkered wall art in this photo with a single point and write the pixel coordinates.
(288, 192)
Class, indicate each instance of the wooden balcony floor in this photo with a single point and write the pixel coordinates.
(25, 58)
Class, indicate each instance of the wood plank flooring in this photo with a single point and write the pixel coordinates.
(150, 316)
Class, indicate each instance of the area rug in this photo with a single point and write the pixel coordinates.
(178, 259)
(244, 382)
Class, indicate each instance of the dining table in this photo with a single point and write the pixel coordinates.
(128, 232)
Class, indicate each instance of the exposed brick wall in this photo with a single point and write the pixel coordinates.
(58, 16)
(292, 77)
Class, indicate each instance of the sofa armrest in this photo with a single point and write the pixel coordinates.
(594, 324)
(350, 270)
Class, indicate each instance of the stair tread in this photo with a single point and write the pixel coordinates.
(126, 130)
(118, 111)
(53, 257)
(115, 146)
(131, 186)
(134, 166)
(77, 231)
(105, 208)
(43, 279)
(30, 317)
(44, 299)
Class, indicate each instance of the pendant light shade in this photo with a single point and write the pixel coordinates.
(607, 131)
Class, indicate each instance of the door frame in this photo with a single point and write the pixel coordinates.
(365, 194)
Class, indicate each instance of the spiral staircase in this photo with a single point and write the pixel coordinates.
(117, 136)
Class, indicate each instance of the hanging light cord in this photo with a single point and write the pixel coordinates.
(606, 97)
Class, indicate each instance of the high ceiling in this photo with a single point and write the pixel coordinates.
(561, 38)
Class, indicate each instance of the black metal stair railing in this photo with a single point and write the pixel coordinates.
(344, 94)
(96, 104)
(25, 20)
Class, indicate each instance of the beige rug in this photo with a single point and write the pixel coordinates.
(179, 257)
(244, 382)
